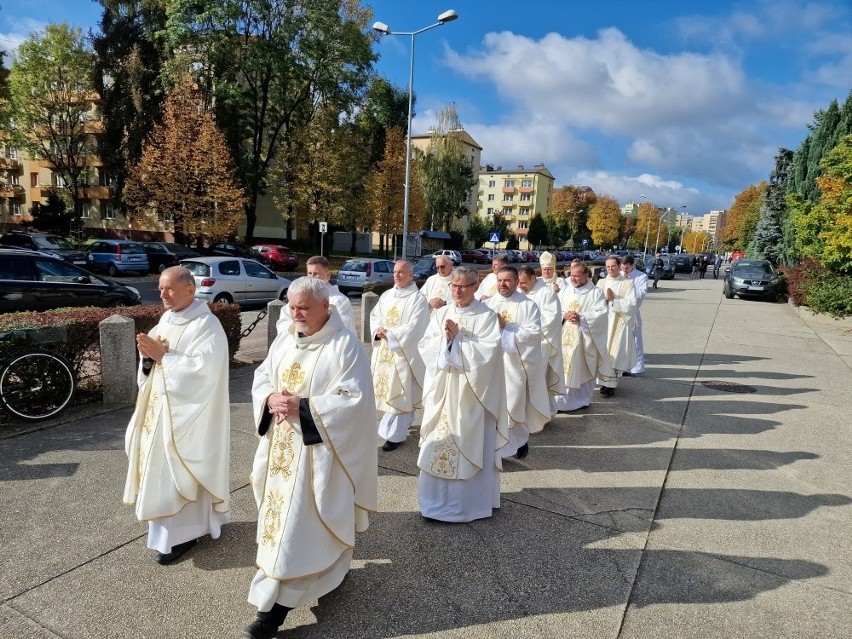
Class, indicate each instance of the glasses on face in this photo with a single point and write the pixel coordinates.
(461, 287)
(443, 266)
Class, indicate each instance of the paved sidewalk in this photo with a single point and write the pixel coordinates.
(674, 509)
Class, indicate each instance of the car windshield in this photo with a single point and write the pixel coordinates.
(199, 269)
(176, 248)
(133, 248)
(52, 242)
(355, 266)
(763, 268)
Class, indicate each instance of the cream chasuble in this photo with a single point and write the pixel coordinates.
(551, 330)
(525, 371)
(178, 439)
(398, 368)
(584, 346)
(437, 286)
(487, 287)
(460, 398)
(621, 341)
(312, 499)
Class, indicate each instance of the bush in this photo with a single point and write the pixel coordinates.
(795, 276)
(827, 293)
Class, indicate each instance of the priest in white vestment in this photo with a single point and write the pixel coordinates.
(584, 338)
(525, 368)
(178, 439)
(551, 329)
(315, 469)
(436, 288)
(620, 295)
(318, 267)
(464, 408)
(640, 285)
(397, 323)
(547, 261)
(488, 286)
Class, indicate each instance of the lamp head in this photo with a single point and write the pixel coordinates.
(381, 27)
(448, 16)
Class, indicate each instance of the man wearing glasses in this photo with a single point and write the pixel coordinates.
(464, 411)
(436, 289)
(620, 295)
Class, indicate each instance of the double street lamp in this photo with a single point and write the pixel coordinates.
(381, 27)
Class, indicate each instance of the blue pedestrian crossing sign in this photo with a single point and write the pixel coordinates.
(494, 237)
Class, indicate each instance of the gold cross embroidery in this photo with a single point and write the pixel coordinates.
(292, 378)
(392, 317)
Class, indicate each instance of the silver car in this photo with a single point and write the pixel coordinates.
(360, 271)
(235, 280)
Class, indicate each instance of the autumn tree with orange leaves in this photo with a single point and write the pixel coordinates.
(741, 219)
(604, 221)
(185, 180)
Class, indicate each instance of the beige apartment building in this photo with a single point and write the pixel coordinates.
(517, 194)
(711, 223)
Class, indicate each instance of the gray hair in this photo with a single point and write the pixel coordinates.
(500, 257)
(316, 288)
(404, 262)
(180, 275)
(466, 273)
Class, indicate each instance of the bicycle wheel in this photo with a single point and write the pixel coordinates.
(36, 385)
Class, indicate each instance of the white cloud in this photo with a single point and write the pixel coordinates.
(20, 30)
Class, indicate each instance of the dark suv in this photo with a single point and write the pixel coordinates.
(47, 243)
(32, 281)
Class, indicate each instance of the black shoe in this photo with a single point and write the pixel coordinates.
(523, 451)
(607, 391)
(267, 623)
(177, 552)
(626, 374)
(389, 445)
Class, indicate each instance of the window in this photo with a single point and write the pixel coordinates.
(509, 183)
(524, 211)
(490, 211)
(526, 197)
(526, 183)
(85, 211)
(107, 211)
(492, 183)
(56, 271)
(522, 224)
(33, 180)
(14, 207)
(508, 197)
(253, 269)
(507, 211)
(13, 178)
(231, 267)
(381, 267)
(490, 197)
(58, 181)
(14, 267)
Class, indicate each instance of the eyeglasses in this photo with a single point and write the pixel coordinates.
(461, 287)
(444, 266)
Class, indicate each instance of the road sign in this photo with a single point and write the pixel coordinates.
(494, 237)
(585, 242)
(323, 227)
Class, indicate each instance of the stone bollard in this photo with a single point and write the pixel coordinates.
(273, 314)
(118, 361)
(368, 303)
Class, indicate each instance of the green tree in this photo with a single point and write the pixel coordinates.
(537, 232)
(446, 173)
(569, 207)
(604, 221)
(128, 62)
(477, 231)
(54, 216)
(185, 177)
(767, 243)
(268, 65)
(53, 107)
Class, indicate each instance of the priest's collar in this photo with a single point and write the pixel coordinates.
(195, 308)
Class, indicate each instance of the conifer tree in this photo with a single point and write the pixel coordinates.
(767, 243)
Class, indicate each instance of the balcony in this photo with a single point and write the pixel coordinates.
(508, 189)
(97, 192)
(521, 232)
(526, 189)
(509, 204)
(11, 190)
(9, 164)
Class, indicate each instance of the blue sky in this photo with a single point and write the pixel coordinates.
(684, 102)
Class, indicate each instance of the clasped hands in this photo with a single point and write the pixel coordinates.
(451, 329)
(572, 316)
(152, 348)
(283, 405)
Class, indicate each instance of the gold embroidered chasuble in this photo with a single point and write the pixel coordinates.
(551, 329)
(178, 439)
(437, 286)
(458, 399)
(487, 287)
(525, 368)
(397, 366)
(584, 351)
(312, 499)
(621, 341)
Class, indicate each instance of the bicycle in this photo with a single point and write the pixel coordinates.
(35, 384)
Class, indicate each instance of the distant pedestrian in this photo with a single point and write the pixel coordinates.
(659, 265)
(702, 266)
(717, 264)
(694, 268)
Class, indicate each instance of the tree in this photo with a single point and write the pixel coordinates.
(604, 221)
(52, 106)
(537, 232)
(54, 216)
(186, 175)
(695, 241)
(741, 219)
(570, 206)
(267, 66)
(477, 231)
(767, 243)
(128, 62)
(649, 227)
(446, 173)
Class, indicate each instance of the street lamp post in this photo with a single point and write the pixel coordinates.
(381, 27)
(668, 232)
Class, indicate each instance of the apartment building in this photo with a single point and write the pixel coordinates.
(711, 223)
(517, 194)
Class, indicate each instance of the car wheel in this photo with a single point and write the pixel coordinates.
(223, 298)
(728, 293)
(112, 270)
(283, 295)
(161, 268)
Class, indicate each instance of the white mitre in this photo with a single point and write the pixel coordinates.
(547, 260)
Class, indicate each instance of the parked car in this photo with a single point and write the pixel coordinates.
(752, 278)
(683, 262)
(668, 272)
(117, 256)
(238, 250)
(162, 255)
(280, 256)
(33, 281)
(455, 256)
(235, 280)
(475, 256)
(47, 243)
(424, 267)
(358, 272)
